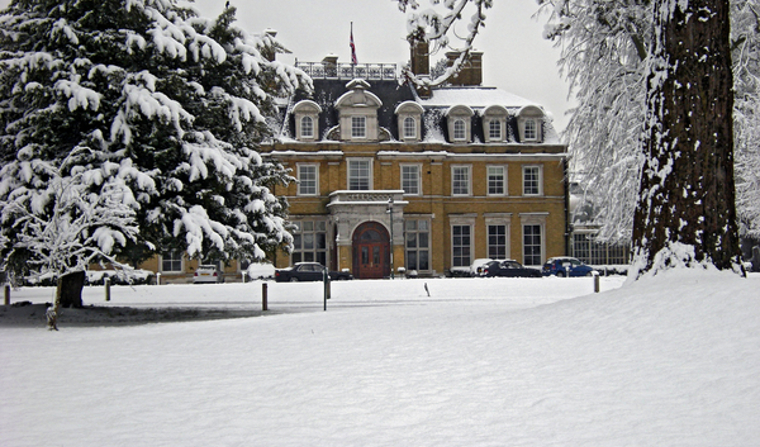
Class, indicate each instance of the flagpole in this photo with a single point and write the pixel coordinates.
(353, 52)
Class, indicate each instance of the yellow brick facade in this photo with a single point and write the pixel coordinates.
(436, 203)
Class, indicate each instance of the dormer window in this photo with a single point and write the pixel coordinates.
(409, 121)
(495, 124)
(459, 120)
(306, 114)
(529, 120)
(358, 113)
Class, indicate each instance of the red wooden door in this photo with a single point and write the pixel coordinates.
(371, 249)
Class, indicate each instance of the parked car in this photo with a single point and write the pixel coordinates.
(308, 271)
(510, 269)
(208, 273)
(478, 265)
(260, 270)
(566, 266)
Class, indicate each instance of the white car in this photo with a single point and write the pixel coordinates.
(208, 273)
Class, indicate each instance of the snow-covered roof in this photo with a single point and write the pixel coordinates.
(477, 97)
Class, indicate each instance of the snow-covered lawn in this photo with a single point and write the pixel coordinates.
(673, 360)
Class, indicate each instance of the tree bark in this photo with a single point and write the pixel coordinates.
(69, 290)
(687, 187)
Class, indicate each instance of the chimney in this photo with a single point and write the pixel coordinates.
(420, 57)
(471, 72)
(330, 63)
(420, 64)
(270, 53)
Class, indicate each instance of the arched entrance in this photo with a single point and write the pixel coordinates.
(371, 251)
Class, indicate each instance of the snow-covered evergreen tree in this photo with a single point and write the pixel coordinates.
(170, 104)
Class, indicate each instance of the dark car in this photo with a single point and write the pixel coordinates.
(308, 271)
(509, 269)
(566, 266)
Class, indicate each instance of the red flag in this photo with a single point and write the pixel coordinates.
(353, 47)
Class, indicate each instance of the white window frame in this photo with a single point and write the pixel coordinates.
(172, 261)
(306, 242)
(540, 247)
(499, 220)
(540, 173)
(497, 123)
(468, 247)
(418, 178)
(310, 128)
(301, 184)
(503, 180)
(537, 220)
(413, 235)
(489, 245)
(468, 169)
(359, 127)
(409, 132)
(530, 131)
(351, 161)
(459, 124)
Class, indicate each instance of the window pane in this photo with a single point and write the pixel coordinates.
(494, 130)
(308, 241)
(532, 245)
(460, 182)
(410, 179)
(531, 180)
(459, 130)
(411, 240)
(321, 240)
(496, 180)
(530, 129)
(411, 260)
(307, 179)
(358, 127)
(422, 240)
(460, 245)
(410, 128)
(424, 263)
(359, 175)
(307, 127)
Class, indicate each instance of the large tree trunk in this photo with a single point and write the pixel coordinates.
(687, 187)
(69, 291)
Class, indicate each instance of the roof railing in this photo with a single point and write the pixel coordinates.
(326, 70)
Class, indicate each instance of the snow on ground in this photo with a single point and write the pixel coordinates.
(670, 360)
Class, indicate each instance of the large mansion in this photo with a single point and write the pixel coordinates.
(392, 176)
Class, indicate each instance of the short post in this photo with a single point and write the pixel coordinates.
(596, 281)
(244, 274)
(326, 279)
(264, 303)
(107, 283)
(158, 279)
(7, 294)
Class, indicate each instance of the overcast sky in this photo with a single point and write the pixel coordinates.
(515, 56)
